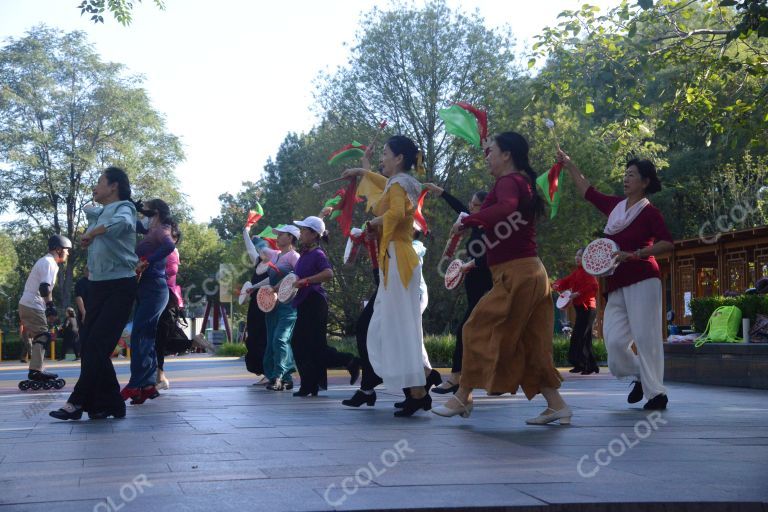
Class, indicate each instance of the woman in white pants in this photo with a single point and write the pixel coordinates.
(633, 312)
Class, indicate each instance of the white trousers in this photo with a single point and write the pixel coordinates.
(633, 314)
(395, 339)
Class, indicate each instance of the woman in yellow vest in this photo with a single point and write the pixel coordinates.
(395, 336)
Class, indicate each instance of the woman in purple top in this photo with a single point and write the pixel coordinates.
(151, 299)
(310, 344)
(633, 312)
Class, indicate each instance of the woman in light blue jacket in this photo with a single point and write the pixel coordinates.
(111, 240)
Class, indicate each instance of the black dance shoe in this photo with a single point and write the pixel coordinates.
(433, 379)
(360, 398)
(116, 412)
(453, 388)
(576, 370)
(63, 414)
(354, 370)
(305, 392)
(657, 403)
(407, 393)
(412, 405)
(636, 394)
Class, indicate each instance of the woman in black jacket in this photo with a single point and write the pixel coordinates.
(477, 278)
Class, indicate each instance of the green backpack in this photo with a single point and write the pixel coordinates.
(723, 326)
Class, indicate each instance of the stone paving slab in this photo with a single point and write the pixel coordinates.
(238, 447)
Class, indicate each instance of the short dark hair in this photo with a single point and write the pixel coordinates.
(119, 176)
(647, 172)
(481, 195)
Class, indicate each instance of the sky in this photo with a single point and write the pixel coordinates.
(233, 77)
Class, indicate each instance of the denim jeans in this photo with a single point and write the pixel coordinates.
(151, 299)
(278, 356)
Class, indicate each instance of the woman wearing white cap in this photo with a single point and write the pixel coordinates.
(310, 344)
(395, 337)
(278, 356)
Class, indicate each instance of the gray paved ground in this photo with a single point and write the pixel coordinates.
(204, 446)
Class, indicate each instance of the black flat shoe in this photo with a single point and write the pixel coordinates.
(636, 394)
(354, 370)
(61, 414)
(589, 372)
(304, 392)
(576, 370)
(360, 398)
(412, 405)
(102, 415)
(657, 403)
(444, 391)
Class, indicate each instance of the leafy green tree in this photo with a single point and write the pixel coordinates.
(64, 116)
(234, 210)
(200, 252)
(121, 10)
(409, 62)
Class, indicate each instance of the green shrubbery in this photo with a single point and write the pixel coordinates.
(750, 306)
(440, 349)
(231, 350)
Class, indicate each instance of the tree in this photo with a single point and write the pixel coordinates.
(201, 252)
(234, 210)
(8, 276)
(64, 116)
(121, 10)
(656, 66)
(407, 64)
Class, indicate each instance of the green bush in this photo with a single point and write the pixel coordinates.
(231, 350)
(12, 347)
(440, 349)
(750, 306)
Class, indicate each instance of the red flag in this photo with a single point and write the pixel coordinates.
(553, 176)
(347, 207)
(418, 216)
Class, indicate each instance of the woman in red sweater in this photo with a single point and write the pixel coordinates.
(583, 288)
(508, 336)
(633, 312)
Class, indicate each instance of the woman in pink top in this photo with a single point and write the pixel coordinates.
(633, 312)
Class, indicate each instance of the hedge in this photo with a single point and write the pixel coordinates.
(231, 350)
(440, 349)
(750, 306)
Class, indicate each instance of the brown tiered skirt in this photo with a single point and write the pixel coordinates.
(508, 337)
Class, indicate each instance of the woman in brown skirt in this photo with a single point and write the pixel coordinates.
(508, 337)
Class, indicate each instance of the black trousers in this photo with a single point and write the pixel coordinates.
(477, 283)
(369, 378)
(256, 338)
(109, 305)
(580, 353)
(310, 344)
